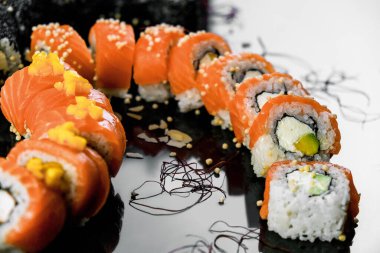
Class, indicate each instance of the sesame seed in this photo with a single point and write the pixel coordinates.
(169, 119)
(238, 145)
(225, 146)
(172, 154)
(155, 106)
(342, 237)
(221, 200)
(217, 170)
(138, 98)
(209, 161)
(197, 112)
(189, 146)
(259, 203)
(234, 140)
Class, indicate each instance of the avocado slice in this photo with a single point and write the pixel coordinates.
(321, 184)
(308, 144)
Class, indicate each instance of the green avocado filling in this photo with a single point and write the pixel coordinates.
(308, 144)
(320, 185)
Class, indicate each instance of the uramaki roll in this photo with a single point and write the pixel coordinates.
(218, 81)
(150, 68)
(31, 214)
(309, 200)
(292, 128)
(186, 58)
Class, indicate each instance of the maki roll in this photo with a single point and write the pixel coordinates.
(31, 214)
(150, 68)
(67, 44)
(251, 96)
(113, 45)
(186, 58)
(10, 57)
(71, 169)
(218, 81)
(309, 200)
(292, 128)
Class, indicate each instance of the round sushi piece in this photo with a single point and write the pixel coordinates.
(150, 68)
(292, 128)
(25, 84)
(191, 52)
(31, 214)
(113, 45)
(67, 44)
(76, 173)
(309, 200)
(218, 81)
(102, 129)
(10, 57)
(251, 96)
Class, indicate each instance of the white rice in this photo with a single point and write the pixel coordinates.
(20, 194)
(266, 151)
(296, 215)
(224, 115)
(155, 92)
(189, 100)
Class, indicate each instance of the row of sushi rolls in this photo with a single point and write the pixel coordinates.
(71, 142)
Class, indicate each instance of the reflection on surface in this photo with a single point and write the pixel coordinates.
(100, 234)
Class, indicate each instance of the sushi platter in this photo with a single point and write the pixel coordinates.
(138, 130)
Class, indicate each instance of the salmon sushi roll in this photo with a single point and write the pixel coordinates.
(113, 45)
(67, 44)
(25, 84)
(72, 171)
(63, 94)
(150, 68)
(218, 81)
(191, 52)
(292, 128)
(31, 214)
(251, 96)
(102, 129)
(309, 200)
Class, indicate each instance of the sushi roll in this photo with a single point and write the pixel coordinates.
(191, 52)
(222, 77)
(67, 44)
(25, 84)
(102, 129)
(71, 169)
(31, 214)
(251, 96)
(292, 128)
(150, 68)
(309, 200)
(113, 45)
(10, 57)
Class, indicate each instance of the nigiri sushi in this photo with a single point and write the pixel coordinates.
(292, 128)
(218, 81)
(31, 214)
(67, 44)
(191, 52)
(251, 96)
(113, 44)
(150, 68)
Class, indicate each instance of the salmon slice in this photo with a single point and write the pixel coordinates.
(52, 98)
(184, 60)
(19, 90)
(353, 208)
(81, 169)
(67, 43)
(105, 135)
(152, 53)
(33, 229)
(218, 81)
(244, 106)
(113, 44)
